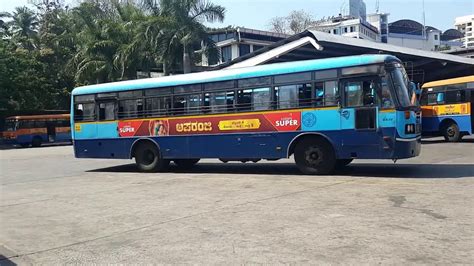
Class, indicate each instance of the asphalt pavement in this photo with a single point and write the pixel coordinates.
(55, 209)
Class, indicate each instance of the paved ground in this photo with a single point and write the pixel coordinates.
(57, 209)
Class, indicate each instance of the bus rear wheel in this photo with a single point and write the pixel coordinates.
(186, 163)
(315, 157)
(451, 132)
(148, 158)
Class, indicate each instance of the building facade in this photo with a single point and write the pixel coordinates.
(465, 25)
(348, 27)
(380, 21)
(239, 41)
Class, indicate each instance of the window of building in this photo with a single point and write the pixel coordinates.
(436, 37)
(254, 99)
(257, 47)
(226, 53)
(334, 31)
(244, 49)
(345, 30)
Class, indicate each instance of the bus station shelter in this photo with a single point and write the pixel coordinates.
(422, 66)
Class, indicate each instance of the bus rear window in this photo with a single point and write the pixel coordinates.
(84, 112)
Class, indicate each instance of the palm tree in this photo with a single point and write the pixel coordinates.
(187, 29)
(23, 27)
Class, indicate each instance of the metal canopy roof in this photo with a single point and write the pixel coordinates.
(422, 66)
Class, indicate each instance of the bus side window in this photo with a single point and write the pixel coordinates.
(218, 102)
(261, 99)
(304, 95)
(179, 104)
(455, 97)
(158, 106)
(319, 94)
(79, 112)
(84, 112)
(440, 98)
(331, 93)
(39, 124)
(431, 99)
(354, 94)
(386, 98)
(130, 108)
(244, 100)
(106, 111)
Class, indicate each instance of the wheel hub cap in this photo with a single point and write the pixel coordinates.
(313, 156)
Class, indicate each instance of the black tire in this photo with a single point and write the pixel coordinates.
(315, 157)
(340, 163)
(451, 132)
(25, 145)
(186, 163)
(148, 158)
(36, 142)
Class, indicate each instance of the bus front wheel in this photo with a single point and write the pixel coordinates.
(451, 132)
(148, 158)
(186, 163)
(315, 157)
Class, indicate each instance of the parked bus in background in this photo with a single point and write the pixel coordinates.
(325, 112)
(35, 130)
(447, 108)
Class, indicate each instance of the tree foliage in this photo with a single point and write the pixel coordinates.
(296, 22)
(47, 51)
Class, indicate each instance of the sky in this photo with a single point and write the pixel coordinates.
(256, 14)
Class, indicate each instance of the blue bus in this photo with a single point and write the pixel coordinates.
(325, 112)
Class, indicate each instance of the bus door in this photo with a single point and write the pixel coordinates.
(51, 130)
(359, 116)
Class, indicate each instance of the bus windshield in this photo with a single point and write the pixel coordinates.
(10, 125)
(406, 95)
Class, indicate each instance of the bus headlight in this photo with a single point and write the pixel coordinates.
(410, 129)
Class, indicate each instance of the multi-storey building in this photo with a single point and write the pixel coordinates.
(348, 27)
(465, 25)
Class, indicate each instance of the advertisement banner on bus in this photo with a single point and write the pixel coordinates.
(271, 122)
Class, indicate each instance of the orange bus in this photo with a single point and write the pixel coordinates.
(35, 130)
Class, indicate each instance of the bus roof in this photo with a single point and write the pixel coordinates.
(443, 82)
(39, 117)
(237, 73)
